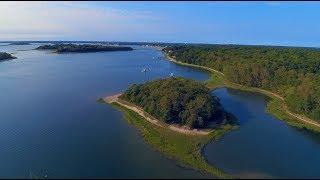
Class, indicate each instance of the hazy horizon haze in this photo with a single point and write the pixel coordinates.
(248, 23)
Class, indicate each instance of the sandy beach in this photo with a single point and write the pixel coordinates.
(151, 119)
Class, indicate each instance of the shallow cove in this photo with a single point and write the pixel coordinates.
(263, 146)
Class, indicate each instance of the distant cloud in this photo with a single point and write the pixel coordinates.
(201, 22)
(27, 20)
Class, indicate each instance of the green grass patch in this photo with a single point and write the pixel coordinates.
(184, 148)
(216, 80)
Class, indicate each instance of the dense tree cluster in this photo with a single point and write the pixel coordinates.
(176, 100)
(6, 56)
(81, 48)
(289, 71)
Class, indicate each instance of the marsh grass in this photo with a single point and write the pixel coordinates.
(187, 149)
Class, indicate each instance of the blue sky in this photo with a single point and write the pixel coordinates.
(269, 23)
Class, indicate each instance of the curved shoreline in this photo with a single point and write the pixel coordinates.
(185, 149)
(151, 119)
(233, 85)
(183, 145)
(160, 137)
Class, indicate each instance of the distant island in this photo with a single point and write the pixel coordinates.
(19, 43)
(6, 56)
(83, 48)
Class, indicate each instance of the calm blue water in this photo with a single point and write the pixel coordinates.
(51, 123)
(263, 146)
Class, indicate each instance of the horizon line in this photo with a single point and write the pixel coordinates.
(159, 42)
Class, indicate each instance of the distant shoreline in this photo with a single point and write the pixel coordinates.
(76, 48)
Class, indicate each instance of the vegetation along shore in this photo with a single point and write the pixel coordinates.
(178, 123)
(145, 106)
(228, 64)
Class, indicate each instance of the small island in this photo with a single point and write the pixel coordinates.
(178, 117)
(82, 48)
(6, 56)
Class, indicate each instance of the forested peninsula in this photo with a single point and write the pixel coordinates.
(82, 48)
(292, 72)
(6, 56)
(176, 100)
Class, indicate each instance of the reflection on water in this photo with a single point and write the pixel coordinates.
(51, 121)
(263, 146)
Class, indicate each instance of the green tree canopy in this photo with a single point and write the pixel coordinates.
(176, 100)
(292, 72)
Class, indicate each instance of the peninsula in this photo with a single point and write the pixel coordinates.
(82, 48)
(6, 56)
(177, 116)
(177, 101)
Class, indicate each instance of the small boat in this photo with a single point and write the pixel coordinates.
(144, 70)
